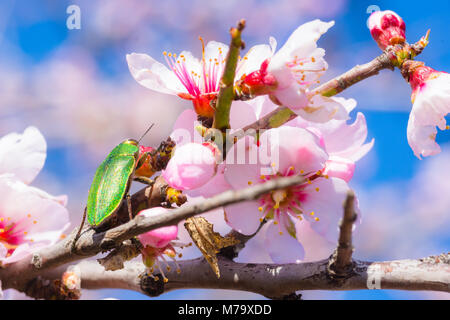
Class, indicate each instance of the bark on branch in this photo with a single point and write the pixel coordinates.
(272, 280)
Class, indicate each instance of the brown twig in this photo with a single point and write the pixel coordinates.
(341, 264)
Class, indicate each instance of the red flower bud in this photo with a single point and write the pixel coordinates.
(387, 28)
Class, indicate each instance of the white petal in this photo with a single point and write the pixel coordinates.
(432, 102)
(322, 109)
(216, 50)
(301, 44)
(153, 75)
(3, 252)
(253, 59)
(43, 219)
(422, 139)
(303, 40)
(23, 154)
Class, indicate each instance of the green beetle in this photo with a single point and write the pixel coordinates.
(111, 184)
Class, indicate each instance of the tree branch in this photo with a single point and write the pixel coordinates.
(226, 92)
(90, 242)
(341, 264)
(272, 280)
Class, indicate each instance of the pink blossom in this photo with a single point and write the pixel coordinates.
(318, 200)
(387, 28)
(431, 103)
(30, 218)
(290, 74)
(191, 166)
(159, 243)
(345, 143)
(160, 237)
(190, 78)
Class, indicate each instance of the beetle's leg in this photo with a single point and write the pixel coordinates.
(130, 212)
(142, 160)
(79, 231)
(144, 180)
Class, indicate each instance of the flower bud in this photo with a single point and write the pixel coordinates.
(259, 82)
(191, 166)
(146, 170)
(161, 237)
(387, 28)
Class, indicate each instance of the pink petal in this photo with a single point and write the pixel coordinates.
(43, 219)
(192, 166)
(216, 185)
(294, 147)
(339, 168)
(242, 164)
(243, 216)
(184, 128)
(241, 114)
(327, 205)
(282, 248)
(160, 237)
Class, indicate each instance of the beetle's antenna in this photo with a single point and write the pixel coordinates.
(151, 126)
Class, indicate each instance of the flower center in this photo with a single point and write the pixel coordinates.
(12, 234)
(279, 196)
(289, 200)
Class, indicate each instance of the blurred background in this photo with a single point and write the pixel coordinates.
(74, 85)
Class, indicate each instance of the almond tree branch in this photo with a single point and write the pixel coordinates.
(272, 280)
(16, 275)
